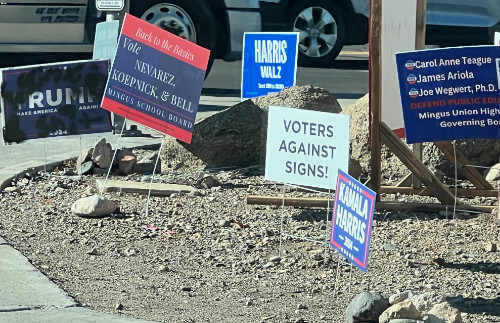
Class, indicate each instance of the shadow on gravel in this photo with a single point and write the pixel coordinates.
(476, 305)
(483, 267)
(312, 215)
(421, 216)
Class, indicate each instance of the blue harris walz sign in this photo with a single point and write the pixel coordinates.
(450, 93)
(269, 63)
(352, 220)
(54, 100)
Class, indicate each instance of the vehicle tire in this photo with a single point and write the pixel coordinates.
(191, 20)
(322, 31)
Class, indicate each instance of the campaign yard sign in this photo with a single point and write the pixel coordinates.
(352, 220)
(54, 100)
(306, 147)
(106, 38)
(156, 79)
(269, 63)
(450, 93)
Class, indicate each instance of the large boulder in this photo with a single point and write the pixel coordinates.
(237, 136)
(366, 308)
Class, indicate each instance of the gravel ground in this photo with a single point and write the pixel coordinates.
(210, 257)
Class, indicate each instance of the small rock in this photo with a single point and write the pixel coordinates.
(224, 223)
(493, 173)
(186, 288)
(130, 252)
(424, 302)
(438, 262)
(146, 164)
(443, 312)
(102, 154)
(119, 306)
(92, 252)
(11, 189)
(491, 247)
(93, 206)
(268, 265)
(275, 259)
(411, 264)
(267, 318)
(126, 165)
(398, 298)
(389, 247)
(163, 268)
(208, 181)
(301, 307)
(403, 310)
(366, 307)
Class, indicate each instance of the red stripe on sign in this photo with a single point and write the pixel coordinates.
(146, 120)
(345, 179)
(336, 245)
(362, 264)
(165, 42)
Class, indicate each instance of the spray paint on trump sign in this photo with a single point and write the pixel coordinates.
(306, 147)
(54, 100)
(352, 220)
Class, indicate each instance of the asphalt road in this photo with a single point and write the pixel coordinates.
(348, 79)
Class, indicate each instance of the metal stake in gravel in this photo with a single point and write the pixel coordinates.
(282, 216)
(103, 188)
(80, 157)
(44, 158)
(153, 176)
(285, 234)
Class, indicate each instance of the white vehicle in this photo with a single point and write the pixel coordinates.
(68, 26)
(325, 26)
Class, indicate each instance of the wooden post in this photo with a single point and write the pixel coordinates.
(375, 93)
(308, 202)
(419, 44)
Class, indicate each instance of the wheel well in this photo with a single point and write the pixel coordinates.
(346, 5)
(216, 7)
(356, 24)
(219, 11)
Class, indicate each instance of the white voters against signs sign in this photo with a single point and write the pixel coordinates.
(306, 147)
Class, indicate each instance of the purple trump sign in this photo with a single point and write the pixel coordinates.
(352, 220)
(54, 100)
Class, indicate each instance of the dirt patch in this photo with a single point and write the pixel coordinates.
(207, 256)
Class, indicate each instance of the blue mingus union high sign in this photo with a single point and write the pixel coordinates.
(450, 93)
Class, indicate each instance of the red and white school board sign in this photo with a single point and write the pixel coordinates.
(397, 35)
(156, 79)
